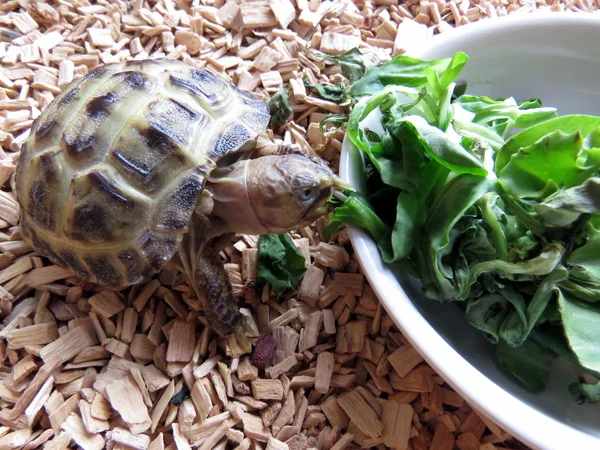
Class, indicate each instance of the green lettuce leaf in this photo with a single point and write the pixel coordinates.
(505, 114)
(457, 196)
(580, 321)
(542, 264)
(415, 131)
(584, 392)
(516, 328)
(548, 165)
(530, 363)
(410, 72)
(564, 208)
(333, 93)
(280, 263)
(353, 63)
(566, 124)
(280, 108)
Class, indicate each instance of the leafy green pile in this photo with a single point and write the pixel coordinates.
(280, 263)
(491, 203)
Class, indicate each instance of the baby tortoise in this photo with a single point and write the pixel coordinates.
(144, 165)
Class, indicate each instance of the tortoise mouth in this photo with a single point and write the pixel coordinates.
(321, 204)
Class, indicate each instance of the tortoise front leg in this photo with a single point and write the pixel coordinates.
(266, 147)
(214, 289)
(205, 270)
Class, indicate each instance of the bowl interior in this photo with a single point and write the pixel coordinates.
(557, 59)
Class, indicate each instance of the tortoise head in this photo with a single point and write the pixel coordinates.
(273, 194)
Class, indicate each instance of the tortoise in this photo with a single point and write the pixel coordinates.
(144, 165)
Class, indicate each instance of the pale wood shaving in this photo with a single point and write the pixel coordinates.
(75, 428)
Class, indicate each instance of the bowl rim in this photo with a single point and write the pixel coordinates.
(516, 417)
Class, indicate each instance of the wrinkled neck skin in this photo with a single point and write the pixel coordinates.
(231, 189)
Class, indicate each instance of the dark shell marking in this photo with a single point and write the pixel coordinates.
(44, 172)
(175, 210)
(109, 178)
(100, 210)
(208, 87)
(80, 138)
(104, 270)
(172, 119)
(230, 139)
(74, 262)
(158, 248)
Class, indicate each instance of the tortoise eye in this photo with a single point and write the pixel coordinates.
(306, 195)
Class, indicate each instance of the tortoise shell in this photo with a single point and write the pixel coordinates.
(109, 178)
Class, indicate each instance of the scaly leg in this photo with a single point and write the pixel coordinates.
(266, 147)
(220, 305)
(203, 265)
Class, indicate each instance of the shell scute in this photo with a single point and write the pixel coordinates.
(104, 270)
(173, 119)
(148, 158)
(136, 268)
(45, 176)
(88, 137)
(75, 263)
(255, 120)
(230, 139)
(100, 210)
(157, 248)
(175, 210)
(210, 89)
(42, 246)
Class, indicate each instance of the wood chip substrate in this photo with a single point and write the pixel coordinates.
(83, 367)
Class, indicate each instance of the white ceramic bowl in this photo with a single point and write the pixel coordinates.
(554, 57)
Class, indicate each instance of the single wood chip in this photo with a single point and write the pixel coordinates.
(204, 369)
(286, 414)
(324, 371)
(60, 414)
(350, 338)
(69, 344)
(216, 435)
(39, 400)
(106, 303)
(181, 342)
(284, 11)
(361, 413)
(310, 333)
(126, 398)
(92, 424)
(443, 439)
(397, 420)
(87, 441)
(274, 444)
(343, 442)
(16, 439)
(310, 286)
(42, 333)
(267, 389)
(161, 405)
(154, 378)
(254, 427)
(122, 436)
(100, 408)
(246, 370)
(404, 359)
(60, 442)
(201, 399)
